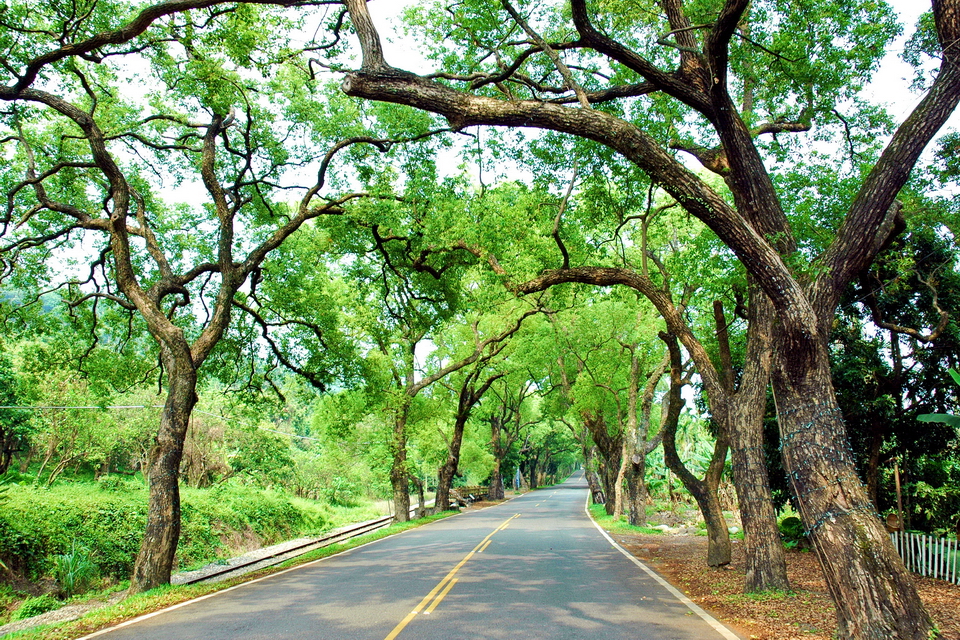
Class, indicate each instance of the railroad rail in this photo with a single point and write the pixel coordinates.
(291, 552)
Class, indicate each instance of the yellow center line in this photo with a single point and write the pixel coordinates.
(445, 591)
(485, 545)
(448, 578)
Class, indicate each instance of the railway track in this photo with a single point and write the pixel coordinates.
(341, 535)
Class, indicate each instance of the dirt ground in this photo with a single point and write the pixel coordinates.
(805, 614)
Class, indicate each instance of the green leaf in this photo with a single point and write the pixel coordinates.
(946, 418)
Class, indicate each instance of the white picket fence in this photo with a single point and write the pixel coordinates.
(929, 556)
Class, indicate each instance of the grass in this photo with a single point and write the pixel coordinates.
(761, 596)
(168, 595)
(617, 525)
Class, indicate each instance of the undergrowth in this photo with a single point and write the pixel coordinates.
(617, 525)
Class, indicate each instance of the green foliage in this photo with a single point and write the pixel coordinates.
(15, 424)
(74, 570)
(35, 606)
(792, 533)
(38, 524)
(620, 524)
(946, 418)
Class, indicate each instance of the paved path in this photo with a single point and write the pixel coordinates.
(534, 567)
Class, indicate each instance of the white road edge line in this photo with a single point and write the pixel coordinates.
(710, 620)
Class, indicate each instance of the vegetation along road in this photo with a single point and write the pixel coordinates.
(533, 567)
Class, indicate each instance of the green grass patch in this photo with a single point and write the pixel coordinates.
(170, 595)
(760, 596)
(617, 525)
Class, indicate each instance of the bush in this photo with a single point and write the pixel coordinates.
(38, 524)
(114, 484)
(792, 533)
(8, 598)
(74, 570)
(35, 606)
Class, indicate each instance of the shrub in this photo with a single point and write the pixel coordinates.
(35, 606)
(792, 533)
(114, 484)
(37, 524)
(74, 570)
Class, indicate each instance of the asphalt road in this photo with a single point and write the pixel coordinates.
(534, 567)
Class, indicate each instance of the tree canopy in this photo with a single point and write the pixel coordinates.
(581, 209)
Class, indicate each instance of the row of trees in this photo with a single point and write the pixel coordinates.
(187, 163)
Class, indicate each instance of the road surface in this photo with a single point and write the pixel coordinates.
(534, 567)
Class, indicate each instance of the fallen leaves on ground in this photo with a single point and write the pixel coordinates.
(804, 614)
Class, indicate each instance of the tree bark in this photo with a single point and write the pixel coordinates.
(618, 484)
(468, 398)
(154, 562)
(636, 447)
(589, 460)
(610, 448)
(421, 497)
(445, 481)
(636, 490)
(739, 411)
(703, 491)
(449, 468)
(874, 594)
(764, 560)
(532, 472)
(495, 490)
(399, 473)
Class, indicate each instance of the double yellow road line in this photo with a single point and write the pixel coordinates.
(439, 592)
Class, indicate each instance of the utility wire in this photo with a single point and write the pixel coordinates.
(156, 406)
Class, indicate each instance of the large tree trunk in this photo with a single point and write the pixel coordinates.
(495, 491)
(421, 497)
(740, 415)
(636, 503)
(609, 475)
(596, 490)
(610, 448)
(532, 472)
(636, 446)
(703, 491)
(154, 562)
(399, 474)
(764, 560)
(469, 396)
(875, 595)
(618, 486)
(449, 468)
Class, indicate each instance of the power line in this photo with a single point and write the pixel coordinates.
(156, 406)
